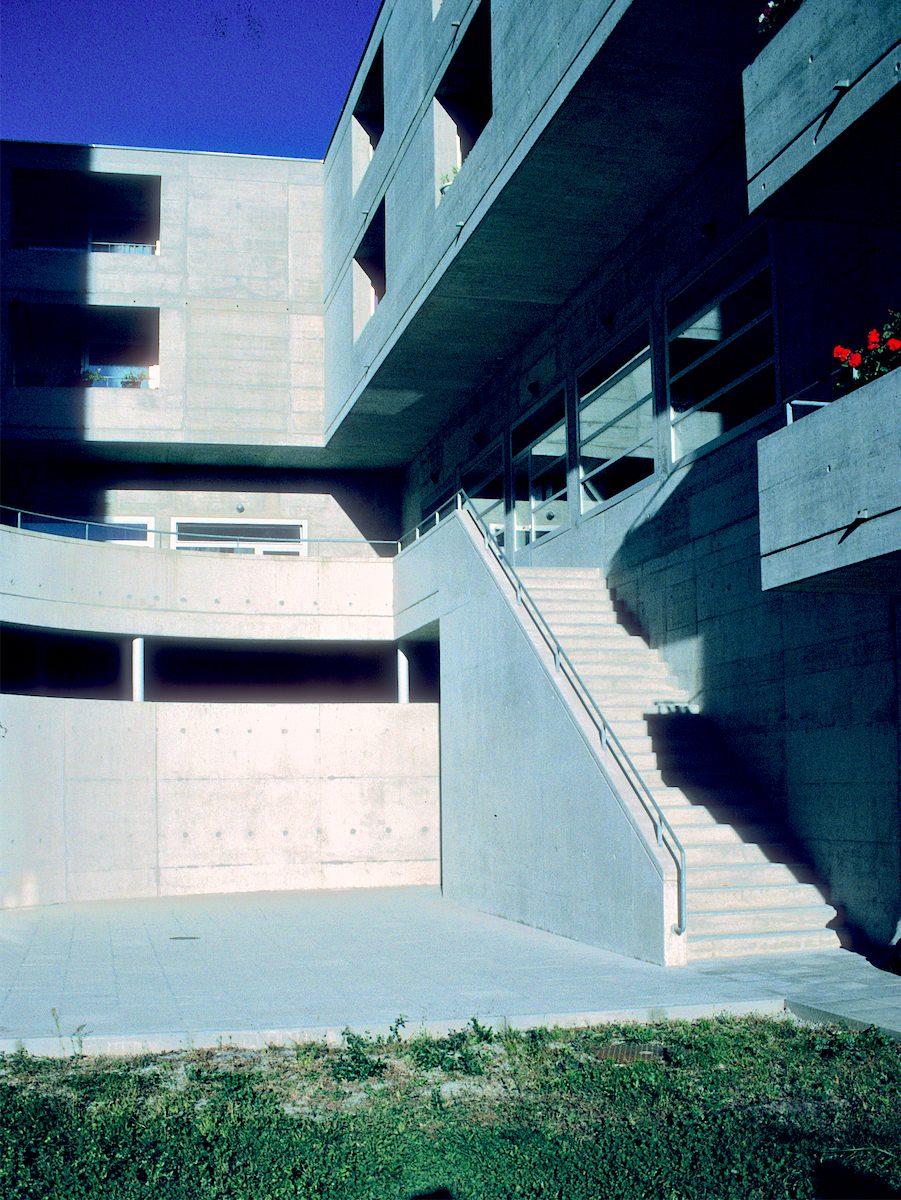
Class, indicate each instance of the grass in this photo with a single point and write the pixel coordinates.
(743, 1107)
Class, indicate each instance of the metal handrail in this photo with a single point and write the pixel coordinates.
(462, 502)
(123, 527)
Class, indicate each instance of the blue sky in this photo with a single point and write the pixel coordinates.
(237, 76)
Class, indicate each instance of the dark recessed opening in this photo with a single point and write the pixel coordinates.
(76, 210)
(465, 90)
(370, 255)
(369, 109)
(67, 345)
(39, 662)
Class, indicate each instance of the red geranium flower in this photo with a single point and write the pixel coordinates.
(873, 338)
(854, 360)
(894, 344)
(841, 352)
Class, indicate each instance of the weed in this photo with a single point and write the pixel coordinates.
(451, 1053)
(396, 1026)
(354, 1062)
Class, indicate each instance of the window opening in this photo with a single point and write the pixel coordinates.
(484, 484)
(67, 345)
(369, 110)
(540, 474)
(463, 101)
(78, 210)
(721, 354)
(370, 280)
(368, 119)
(616, 424)
(226, 535)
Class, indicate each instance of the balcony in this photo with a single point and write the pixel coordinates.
(826, 68)
(830, 511)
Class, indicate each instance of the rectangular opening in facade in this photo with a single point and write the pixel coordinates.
(616, 422)
(70, 345)
(212, 670)
(463, 103)
(40, 662)
(369, 270)
(226, 535)
(540, 473)
(88, 211)
(720, 347)
(368, 120)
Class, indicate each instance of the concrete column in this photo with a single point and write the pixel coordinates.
(137, 668)
(403, 677)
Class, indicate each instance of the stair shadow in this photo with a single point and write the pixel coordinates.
(693, 755)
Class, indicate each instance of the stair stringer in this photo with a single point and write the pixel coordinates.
(611, 764)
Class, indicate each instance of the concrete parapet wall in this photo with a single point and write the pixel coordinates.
(60, 583)
(826, 67)
(109, 801)
(829, 491)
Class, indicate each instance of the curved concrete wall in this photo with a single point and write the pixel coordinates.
(107, 801)
(60, 583)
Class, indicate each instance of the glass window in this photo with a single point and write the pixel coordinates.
(225, 535)
(484, 485)
(616, 426)
(720, 349)
(539, 474)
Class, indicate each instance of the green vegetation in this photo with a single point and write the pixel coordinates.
(722, 1108)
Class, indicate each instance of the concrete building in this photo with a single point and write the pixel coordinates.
(499, 406)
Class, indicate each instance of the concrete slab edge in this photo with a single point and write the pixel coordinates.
(826, 1016)
(125, 1045)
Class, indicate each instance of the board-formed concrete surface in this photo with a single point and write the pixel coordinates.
(126, 976)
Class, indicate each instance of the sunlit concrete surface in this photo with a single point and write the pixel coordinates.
(125, 976)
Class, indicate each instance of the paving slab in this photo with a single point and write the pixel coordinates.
(119, 977)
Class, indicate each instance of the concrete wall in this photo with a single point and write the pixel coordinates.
(59, 583)
(531, 829)
(830, 499)
(330, 529)
(804, 689)
(793, 106)
(106, 801)
(531, 47)
(238, 286)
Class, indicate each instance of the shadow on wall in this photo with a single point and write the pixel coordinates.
(799, 690)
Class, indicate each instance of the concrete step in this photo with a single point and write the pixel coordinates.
(762, 920)
(566, 597)
(715, 853)
(559, 575)
(583, 617)
(739, 945)
(711, 833)
(728, 899)
(753, 875)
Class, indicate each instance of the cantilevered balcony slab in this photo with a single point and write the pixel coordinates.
(830, 496)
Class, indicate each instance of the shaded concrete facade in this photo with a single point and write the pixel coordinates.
(588, 265)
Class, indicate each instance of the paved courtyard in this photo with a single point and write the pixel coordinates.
(123, 976)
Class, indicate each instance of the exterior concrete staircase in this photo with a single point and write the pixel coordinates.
(746, 892)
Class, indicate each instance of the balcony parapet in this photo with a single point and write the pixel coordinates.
(52, 582)
(826, 67)
(830, 496)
